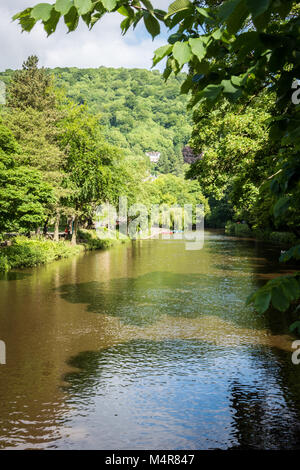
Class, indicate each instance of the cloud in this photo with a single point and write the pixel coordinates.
(104, 45)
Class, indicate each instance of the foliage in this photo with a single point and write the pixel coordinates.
(31, 88)
(23, 193)
(238, 229)
(281, 292)
(137, 111)
(91, 241)
(28, 253)
(170, 190)
(235, 158)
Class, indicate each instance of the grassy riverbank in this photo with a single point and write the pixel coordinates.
(243, 230)
(30, 252)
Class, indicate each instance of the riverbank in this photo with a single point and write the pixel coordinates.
(26, 252)
(243, 230)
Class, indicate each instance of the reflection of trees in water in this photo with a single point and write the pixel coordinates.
(262, 403)
(266, 413)
(143, 299)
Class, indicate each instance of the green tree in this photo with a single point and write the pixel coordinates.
(32, 87)
(23, 193)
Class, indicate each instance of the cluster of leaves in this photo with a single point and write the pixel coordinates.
(174, 190)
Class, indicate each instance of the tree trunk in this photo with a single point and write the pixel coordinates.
(74, 231)
(56, 227)
(38, 231)
(45, 228)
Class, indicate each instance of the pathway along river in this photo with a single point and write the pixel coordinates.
(147, 345)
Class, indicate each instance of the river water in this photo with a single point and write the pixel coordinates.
(147, 346)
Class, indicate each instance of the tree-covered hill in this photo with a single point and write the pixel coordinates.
(139, 111)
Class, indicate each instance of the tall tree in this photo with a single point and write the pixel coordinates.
(24, 195)
(33, 115)
(32, 87)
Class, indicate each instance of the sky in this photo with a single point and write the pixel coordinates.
(104, 45)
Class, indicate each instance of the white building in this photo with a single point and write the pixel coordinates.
(154, 156)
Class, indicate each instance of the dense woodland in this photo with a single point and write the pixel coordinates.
(137, 110)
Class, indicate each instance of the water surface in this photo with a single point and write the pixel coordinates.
(147, 346)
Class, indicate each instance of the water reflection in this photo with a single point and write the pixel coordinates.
(174, 355)
(182, 395)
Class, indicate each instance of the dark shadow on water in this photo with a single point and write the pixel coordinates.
(14, 276)
(144, 299)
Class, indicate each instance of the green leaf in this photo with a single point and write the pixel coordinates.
(227, 8)
(237, 81)
(148, 5)
(182, 52)
(203, 12)
(109, 5)
(257, 7)
(152, 25)
(42, 11)
(237, 19)
(161, 52)
(262, 300)
(125, 25)
(281, 206)
(63, 6)
(72, 19)
(177, 6)
(83, 6)
(228, 87)
(279, 300)
(187, 85)
(25, 19)
(212, 92)
(198, 47)
(291, 288)
(51, 24)
(123, 11)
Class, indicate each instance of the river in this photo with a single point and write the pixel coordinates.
(147, 346)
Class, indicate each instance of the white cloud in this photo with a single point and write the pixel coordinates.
(104, 45)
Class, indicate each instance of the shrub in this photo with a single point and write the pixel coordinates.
(25, 252)
(284, 238)
(238, 230)
(4, 264)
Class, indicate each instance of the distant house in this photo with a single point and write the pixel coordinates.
(189, 156)
(154, 156)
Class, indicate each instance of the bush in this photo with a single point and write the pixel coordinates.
(4, 264)
(91, 241)
(229, 228)
(284, 238)
(242, 230)
(25, 252)
(238, 230)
